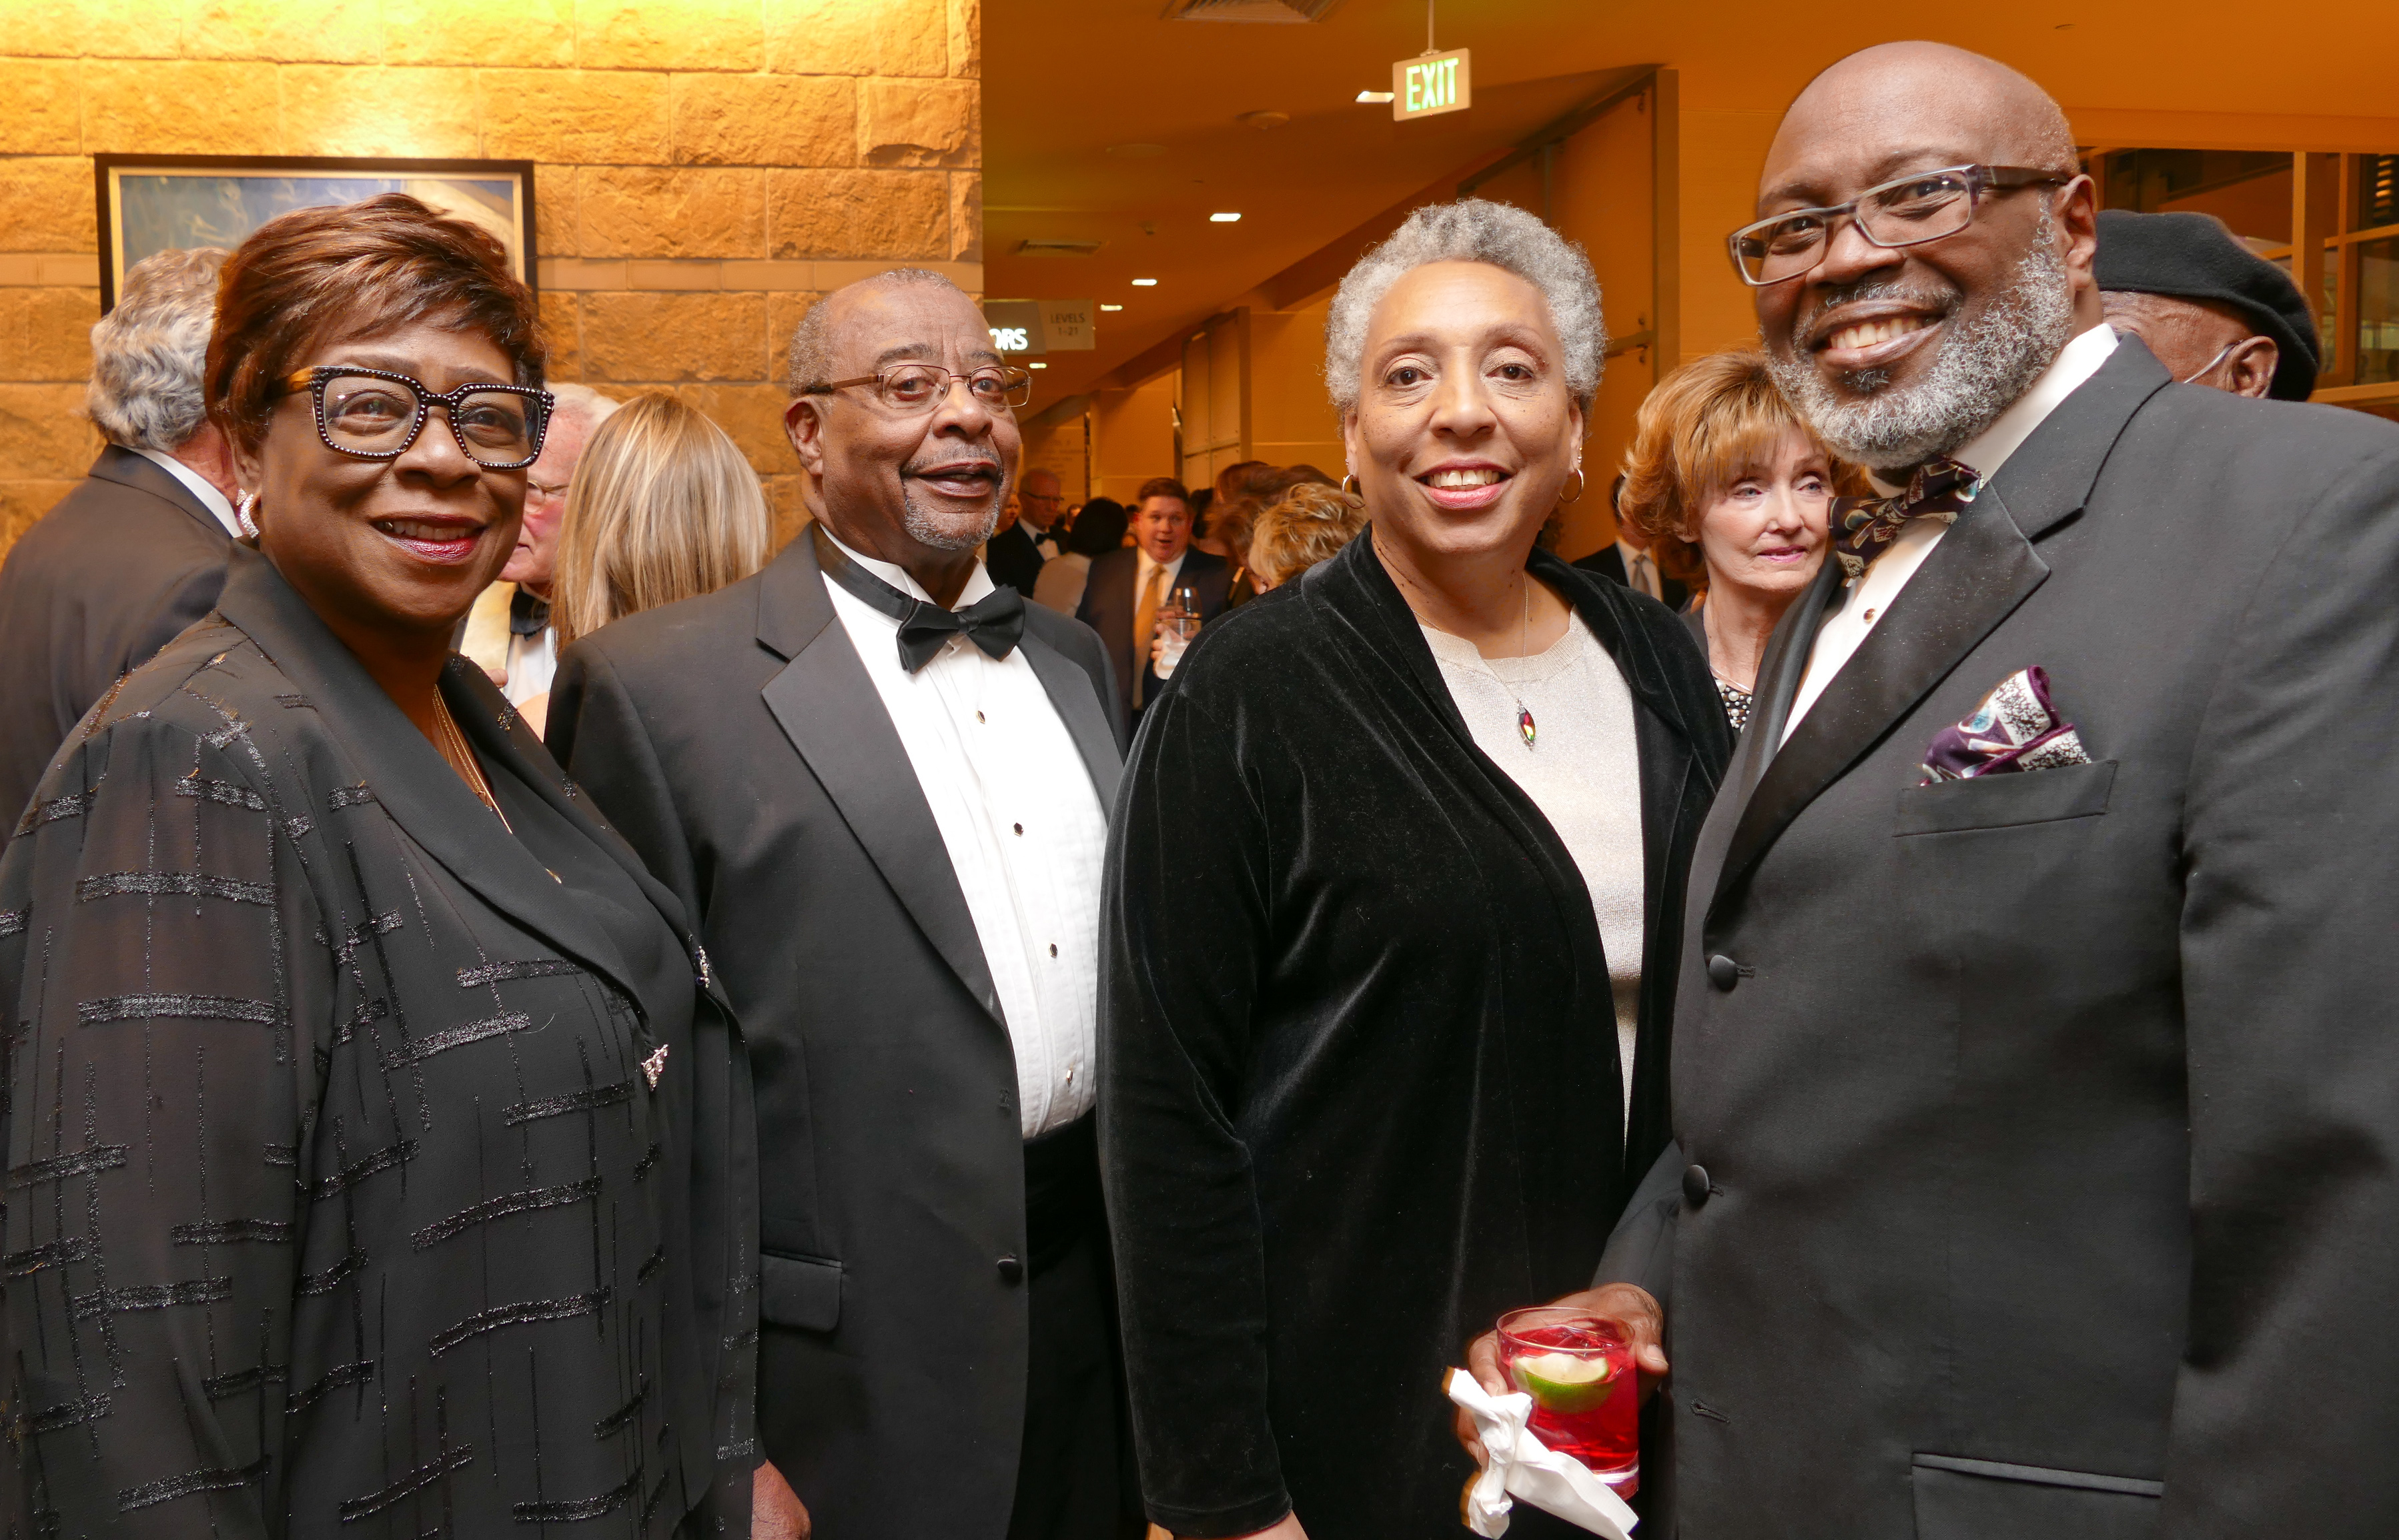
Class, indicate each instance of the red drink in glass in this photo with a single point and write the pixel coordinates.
(1586, 1400)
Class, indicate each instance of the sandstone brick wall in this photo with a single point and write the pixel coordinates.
(705, 169)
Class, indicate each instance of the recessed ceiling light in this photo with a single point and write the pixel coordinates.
(1144, 283)
(1375, 99)
(1037, 366)
(1112, 307)
(1224, 219)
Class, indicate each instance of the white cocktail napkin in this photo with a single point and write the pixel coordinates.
(1517, 1465)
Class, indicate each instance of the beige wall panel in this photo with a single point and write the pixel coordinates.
(347, 32)
(672, 338)
(898, 215)
(1723, 153)
(671, 212)
(918, 122)
(418, 114)
(45, 107)
(1292, 420)
(522, 33)
(766, 121)
(46, 333)
(43, 434)
(561, 321)
(65, 28)
(859, 37)
(45, 206)
(180, 108)
(671, 34)
(1134, 436)
(597, 116)
(753, 416)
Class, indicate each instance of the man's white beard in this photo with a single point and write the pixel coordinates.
(1980, 371)
(925, 531)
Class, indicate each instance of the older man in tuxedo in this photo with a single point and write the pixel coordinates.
(2033, 1076)
(880, 783)
(137, 552)
(1127, 589)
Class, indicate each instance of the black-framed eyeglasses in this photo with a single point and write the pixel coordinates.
(1909, 211)
(376, 414)
(908, 389)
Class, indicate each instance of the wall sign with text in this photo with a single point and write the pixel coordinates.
(1431, 84)
(1036, 327)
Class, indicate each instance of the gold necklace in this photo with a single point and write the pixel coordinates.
(462, 758)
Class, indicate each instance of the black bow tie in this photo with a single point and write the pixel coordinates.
(995, 623)
(528, 614)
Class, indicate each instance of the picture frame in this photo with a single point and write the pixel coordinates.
(155, 203)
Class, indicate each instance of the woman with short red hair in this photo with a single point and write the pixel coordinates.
(376, 1166)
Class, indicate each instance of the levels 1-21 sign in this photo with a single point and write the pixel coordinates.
(1430, 85)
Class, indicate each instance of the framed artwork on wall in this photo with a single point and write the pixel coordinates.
(158, 203)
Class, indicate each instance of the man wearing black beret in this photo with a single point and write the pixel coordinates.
(2213, 311)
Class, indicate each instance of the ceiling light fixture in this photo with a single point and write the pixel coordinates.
(1112, 307)
(1144, 283)
(1224, 219)
(1037, 366)
(1376, 98)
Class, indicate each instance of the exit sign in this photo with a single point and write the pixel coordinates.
(1430, 85)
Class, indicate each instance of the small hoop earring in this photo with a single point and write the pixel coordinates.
(245, 513)
(1351, 487)
(1580, 485)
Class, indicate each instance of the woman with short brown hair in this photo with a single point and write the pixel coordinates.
(1720, 464)
(1308, 524)
(379, 1144)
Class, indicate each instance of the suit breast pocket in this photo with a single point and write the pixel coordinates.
(2005, 801)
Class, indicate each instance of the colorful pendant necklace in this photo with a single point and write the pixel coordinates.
(1525, 727)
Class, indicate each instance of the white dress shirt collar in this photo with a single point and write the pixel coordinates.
(194, 483)
(1147, 564)
(979, 582)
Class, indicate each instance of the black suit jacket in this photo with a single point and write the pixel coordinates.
(2045, 1126)
(1011, 557)
(369, 1220)
(103, 580)
(1108, 604)
(739, 742)
(1609, 563)
(1359, 1069)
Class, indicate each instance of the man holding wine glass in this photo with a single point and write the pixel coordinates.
(1134, 597)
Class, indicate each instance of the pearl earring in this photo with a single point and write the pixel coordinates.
(245, 514)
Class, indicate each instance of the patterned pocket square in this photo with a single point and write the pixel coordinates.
(2015, 728)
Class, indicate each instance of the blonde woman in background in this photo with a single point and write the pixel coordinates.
(1310, 524)
(1720, 461)
(663, 507)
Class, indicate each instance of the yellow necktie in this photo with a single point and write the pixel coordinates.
(1145, 626)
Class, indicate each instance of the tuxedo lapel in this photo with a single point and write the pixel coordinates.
(829, 709)
(1078, 707)
(1974, 578)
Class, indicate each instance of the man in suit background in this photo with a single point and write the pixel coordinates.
(1015, 555)
(2037, 1101)
(881, 784)
(2213, 312)
(136, 553)
(1128, 587)
(509, 632)
(1629, 560)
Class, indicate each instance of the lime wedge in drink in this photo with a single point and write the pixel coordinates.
(1563, 1383)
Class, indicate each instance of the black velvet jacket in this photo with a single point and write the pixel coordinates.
(1360, 1090)
(340, 1199)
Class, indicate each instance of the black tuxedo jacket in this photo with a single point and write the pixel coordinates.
(1013, 559)
(2041, 1130)
(738, 741)
(103, 580)
(1609, 563)
(1108, 603)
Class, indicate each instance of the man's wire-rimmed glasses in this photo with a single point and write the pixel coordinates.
(908, 389)
(376, 414)
(1909, 211)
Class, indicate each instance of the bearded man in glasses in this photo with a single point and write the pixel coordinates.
(880, 783)
(2037, 1101)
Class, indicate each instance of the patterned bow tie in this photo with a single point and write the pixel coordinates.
(1864, 527)
(995, 623)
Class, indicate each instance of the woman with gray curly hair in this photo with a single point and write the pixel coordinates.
(1383, 1037)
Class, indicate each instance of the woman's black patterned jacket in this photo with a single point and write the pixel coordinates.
(341, 1195)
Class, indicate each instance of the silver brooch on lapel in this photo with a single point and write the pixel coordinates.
(655, 1066)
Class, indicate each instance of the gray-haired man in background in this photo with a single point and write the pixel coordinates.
(136, 553)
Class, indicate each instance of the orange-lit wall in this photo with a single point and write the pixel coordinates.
(704, 169)
(1132, 437)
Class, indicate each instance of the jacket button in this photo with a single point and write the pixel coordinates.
(1695, 1185)
(1723, 971)
(1011, 1269)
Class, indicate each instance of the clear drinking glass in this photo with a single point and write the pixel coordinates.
(1178, 622)
(1586, 1399)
